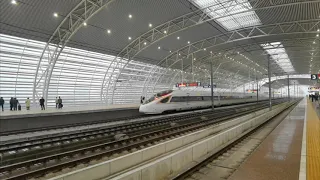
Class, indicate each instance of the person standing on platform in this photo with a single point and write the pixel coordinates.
(57, 103)
(42, 104)
(11, 103)
(1, 102)
(28, 104)
(60, 103)
(312, 97)
(15, 104)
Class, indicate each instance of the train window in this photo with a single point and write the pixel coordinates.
(208, 98)
(165, 100)
(163, 93)
(175, 99)
(179, 99)
(195, 98)
(150, 100)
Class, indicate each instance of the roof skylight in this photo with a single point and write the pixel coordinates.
(279, 55)
(223, 9)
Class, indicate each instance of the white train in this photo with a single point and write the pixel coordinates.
(177, 100)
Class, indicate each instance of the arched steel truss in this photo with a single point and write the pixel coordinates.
(176, 25)
(289, 28)
(228, 53)
(67, 28)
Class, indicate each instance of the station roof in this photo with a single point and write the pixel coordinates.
(237, 36)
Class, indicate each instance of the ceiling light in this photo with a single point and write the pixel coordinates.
(129, 38)
(14, 2)
(194, 58)
(150, 25)
(170, 51)
(55, 14)
(145, 43)
(84, 23)
(165, 32)
(178, 37)
(159, 47)
(317, 35)
(130, 16)
(108, 31)
(318, 30)
(188, 42)
(314, 42)
(204, 49)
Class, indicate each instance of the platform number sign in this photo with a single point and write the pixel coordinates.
(314, 76)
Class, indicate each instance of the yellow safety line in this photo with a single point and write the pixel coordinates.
(313, 144)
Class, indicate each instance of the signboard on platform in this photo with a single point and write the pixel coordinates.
(315, 76)
(191, 84)
(251, 91)
(312, 89)
(209, 86)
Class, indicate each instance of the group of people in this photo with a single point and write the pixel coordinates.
(313, 97)
(59, 104)
(15, 105)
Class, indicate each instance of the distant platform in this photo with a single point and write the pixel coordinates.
(37, 119)
(36, 111)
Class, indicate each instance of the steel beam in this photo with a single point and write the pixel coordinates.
(71, 23)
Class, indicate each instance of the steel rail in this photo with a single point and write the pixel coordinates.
(200, 164)
(41, 140)
(65, 160)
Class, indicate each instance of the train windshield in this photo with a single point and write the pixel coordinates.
(163, 93)
(160, 94)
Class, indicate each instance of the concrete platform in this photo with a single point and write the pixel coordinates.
(36, 118)
(282, 155)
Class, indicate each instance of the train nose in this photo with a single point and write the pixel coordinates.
(142, 108)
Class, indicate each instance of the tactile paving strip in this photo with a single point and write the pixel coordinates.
(313, 144)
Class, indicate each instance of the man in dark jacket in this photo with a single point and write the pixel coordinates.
(15, 104)
(11, 103)
(42, 104)
(60, 103)
(1, 102)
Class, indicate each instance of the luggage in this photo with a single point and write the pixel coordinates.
(61, 105)
(19, 107)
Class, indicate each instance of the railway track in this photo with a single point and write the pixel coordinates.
(7, 133)
(17, 151)
(91, 154)
(217, 165)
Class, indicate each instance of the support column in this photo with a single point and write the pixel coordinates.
(257, 87)
(269, 77)
(211, 79)
(181, 70)
(192, 67)
(294, 89)
(288, 87)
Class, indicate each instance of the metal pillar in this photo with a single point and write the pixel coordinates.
(244, 90)
(269, 77)
(257, 89)
(288, 87)
(294, 89)
(192, 68)
(212, 97)
(181, 70)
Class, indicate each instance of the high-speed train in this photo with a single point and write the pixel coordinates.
(177, 100)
